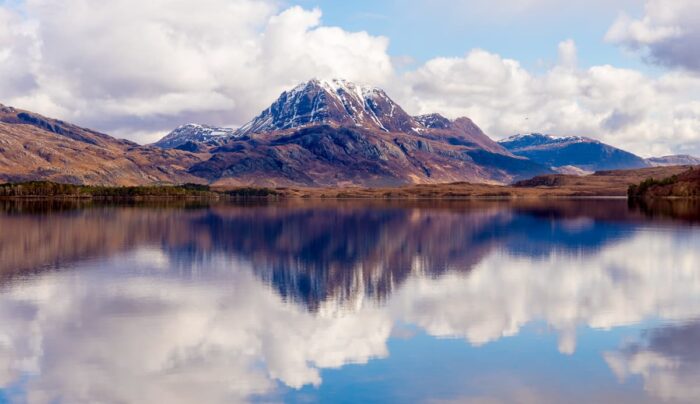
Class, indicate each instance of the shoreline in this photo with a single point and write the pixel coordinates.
(620, 184)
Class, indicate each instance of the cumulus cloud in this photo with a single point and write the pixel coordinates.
(621, 106)
(220, 62)
(173, 324)
(100, 335)
(624, 283)
(126, 66)
(668, 32)
(668, 361)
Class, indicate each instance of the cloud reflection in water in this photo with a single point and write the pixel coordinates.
(220, 305)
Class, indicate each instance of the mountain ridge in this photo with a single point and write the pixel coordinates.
(34, 147)
(321, 133)
(580, 152)
(334, 132)
(673, 160)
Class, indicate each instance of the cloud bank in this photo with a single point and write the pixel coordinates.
(668, 33)
(138, 70)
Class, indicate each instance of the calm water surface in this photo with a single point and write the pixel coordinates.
(562, 301)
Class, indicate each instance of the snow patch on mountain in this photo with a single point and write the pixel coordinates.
(196, 133)
(336, 101)
(675, 160)
(564, 153)
(534, 140)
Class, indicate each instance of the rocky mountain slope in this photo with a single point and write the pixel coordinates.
(572, 152)
(33, 147)
(337, 133)
(318, 134)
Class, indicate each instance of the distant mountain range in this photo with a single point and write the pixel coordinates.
(572, 151)
(330, 133)
(571, 154)
(677, 160)
(320, 133)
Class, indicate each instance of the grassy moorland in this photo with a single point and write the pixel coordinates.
(618, 183)
(601, 184)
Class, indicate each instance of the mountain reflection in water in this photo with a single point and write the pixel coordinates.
(183, 303)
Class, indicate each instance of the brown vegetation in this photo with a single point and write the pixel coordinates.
(682, 185)
(33, 147)
(604, 183)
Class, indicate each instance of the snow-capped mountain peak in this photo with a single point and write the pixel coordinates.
(571, 151)
(333, 102)
(194, 132)
(433, 121)
(537, 139)
(336, 103)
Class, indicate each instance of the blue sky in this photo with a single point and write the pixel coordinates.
(528, 33)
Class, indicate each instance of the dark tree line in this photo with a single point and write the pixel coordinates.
(53, 189)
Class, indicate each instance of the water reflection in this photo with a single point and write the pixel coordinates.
(233, 303)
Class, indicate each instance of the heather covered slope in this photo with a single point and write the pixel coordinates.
(33, 147)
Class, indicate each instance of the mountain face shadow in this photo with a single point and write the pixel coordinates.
(312, 252)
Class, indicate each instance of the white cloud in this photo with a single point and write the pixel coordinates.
(220, 62)
(125, 66)
(649, 116)
(668, 361)
(102, 336)
(568, 55)
(154, 327)
(623, 283)
(669, 32)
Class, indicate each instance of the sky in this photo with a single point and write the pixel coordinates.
(626, 72)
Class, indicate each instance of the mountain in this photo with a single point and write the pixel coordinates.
(337, 133)
(676, 160)
(318, 134)
(571, 151)
(188, 137)
(332, 101)
(33, 147)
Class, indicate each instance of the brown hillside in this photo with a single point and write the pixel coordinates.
(33, 147)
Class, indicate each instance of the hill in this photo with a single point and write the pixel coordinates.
(682, 185)
(34, 147)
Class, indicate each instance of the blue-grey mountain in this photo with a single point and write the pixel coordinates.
(565, 153)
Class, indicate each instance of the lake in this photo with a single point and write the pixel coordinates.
(350, 301)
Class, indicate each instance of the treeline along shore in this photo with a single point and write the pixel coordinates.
(47, 189)
(678, 182)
